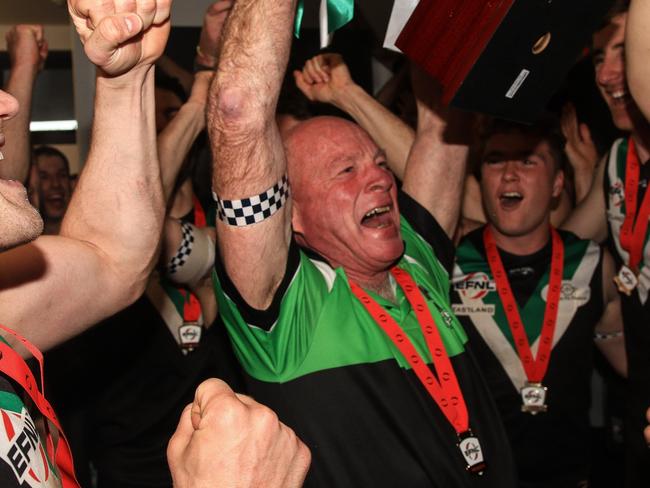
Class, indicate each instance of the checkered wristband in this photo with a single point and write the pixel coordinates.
(184, 250)
(253, 209)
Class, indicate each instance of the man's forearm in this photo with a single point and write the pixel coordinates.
(243, 97)
(637, 49)
(119, 190)
(175, 142)
(18, 154)
(388, 131)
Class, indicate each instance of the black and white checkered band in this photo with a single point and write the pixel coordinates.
(184, 250)
(253, 209)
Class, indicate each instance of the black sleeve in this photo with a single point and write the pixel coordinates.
(428, 227)
(264, 319)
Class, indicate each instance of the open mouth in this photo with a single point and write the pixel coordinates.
(377, 218)
(510, 199)
(620, 97)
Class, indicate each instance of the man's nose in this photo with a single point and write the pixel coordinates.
(510, 170)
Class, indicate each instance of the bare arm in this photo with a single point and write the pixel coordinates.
(27, 49)
(176, 139)
(57, 286)
(325, 78)
(246, 146)
(637, 50)
(610, 326)
(589, 220)
(435, 170)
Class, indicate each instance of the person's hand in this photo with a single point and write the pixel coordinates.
(210, 40)
(324, 78)
(646, 431)
(228, 440)
(26, 45)
(118, 35)
(579, 148)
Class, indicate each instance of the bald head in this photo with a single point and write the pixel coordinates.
(315, 143)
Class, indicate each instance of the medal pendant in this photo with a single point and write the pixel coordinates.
(533, 398)
(190, 335)
(626, 280)
(470, 448)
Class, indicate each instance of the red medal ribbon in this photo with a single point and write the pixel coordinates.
(199, 214)
(535, 367)
(15, 367)
(445, 390)
(191, 306)
(635, 226)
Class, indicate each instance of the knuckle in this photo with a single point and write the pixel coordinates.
(265, 418)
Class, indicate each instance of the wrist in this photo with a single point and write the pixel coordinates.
(348, 97)
(132, 80)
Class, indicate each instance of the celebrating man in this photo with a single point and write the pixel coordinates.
(344, 330)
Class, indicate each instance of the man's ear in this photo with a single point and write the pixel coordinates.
(558, 183)
(296, 219)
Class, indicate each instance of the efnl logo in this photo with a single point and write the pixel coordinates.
(474, 285)
(22, 450)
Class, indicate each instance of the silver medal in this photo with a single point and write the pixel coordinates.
(470, 448)
(533, 398)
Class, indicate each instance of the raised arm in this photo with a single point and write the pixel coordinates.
(325, 78)
(435, 170)
(637, 50)
(589, 220)
(176, 139)
(27, 49)
(57, 286)
(248, 155)
(609, 330)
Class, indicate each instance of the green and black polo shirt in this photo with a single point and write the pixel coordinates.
(317, 358)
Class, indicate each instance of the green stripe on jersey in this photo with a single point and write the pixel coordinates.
(323, 326)
(11, 401)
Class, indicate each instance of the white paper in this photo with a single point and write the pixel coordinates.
(402, 10)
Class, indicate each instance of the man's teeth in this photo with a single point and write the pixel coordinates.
(377, 211)
(512, 194)
(618, 95)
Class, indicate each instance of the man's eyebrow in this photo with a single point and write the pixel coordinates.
(501, 155)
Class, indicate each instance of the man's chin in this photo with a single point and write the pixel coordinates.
(26, 232)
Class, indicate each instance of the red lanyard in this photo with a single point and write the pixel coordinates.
(634, 226)
(191, 306)
(446, 392)
(535, 368)
(12, 365)
(199, 214)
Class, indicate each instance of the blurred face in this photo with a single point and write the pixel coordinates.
(609, 64)
(344, 196)
(19, 221)
(54, 187)
(518, 183)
